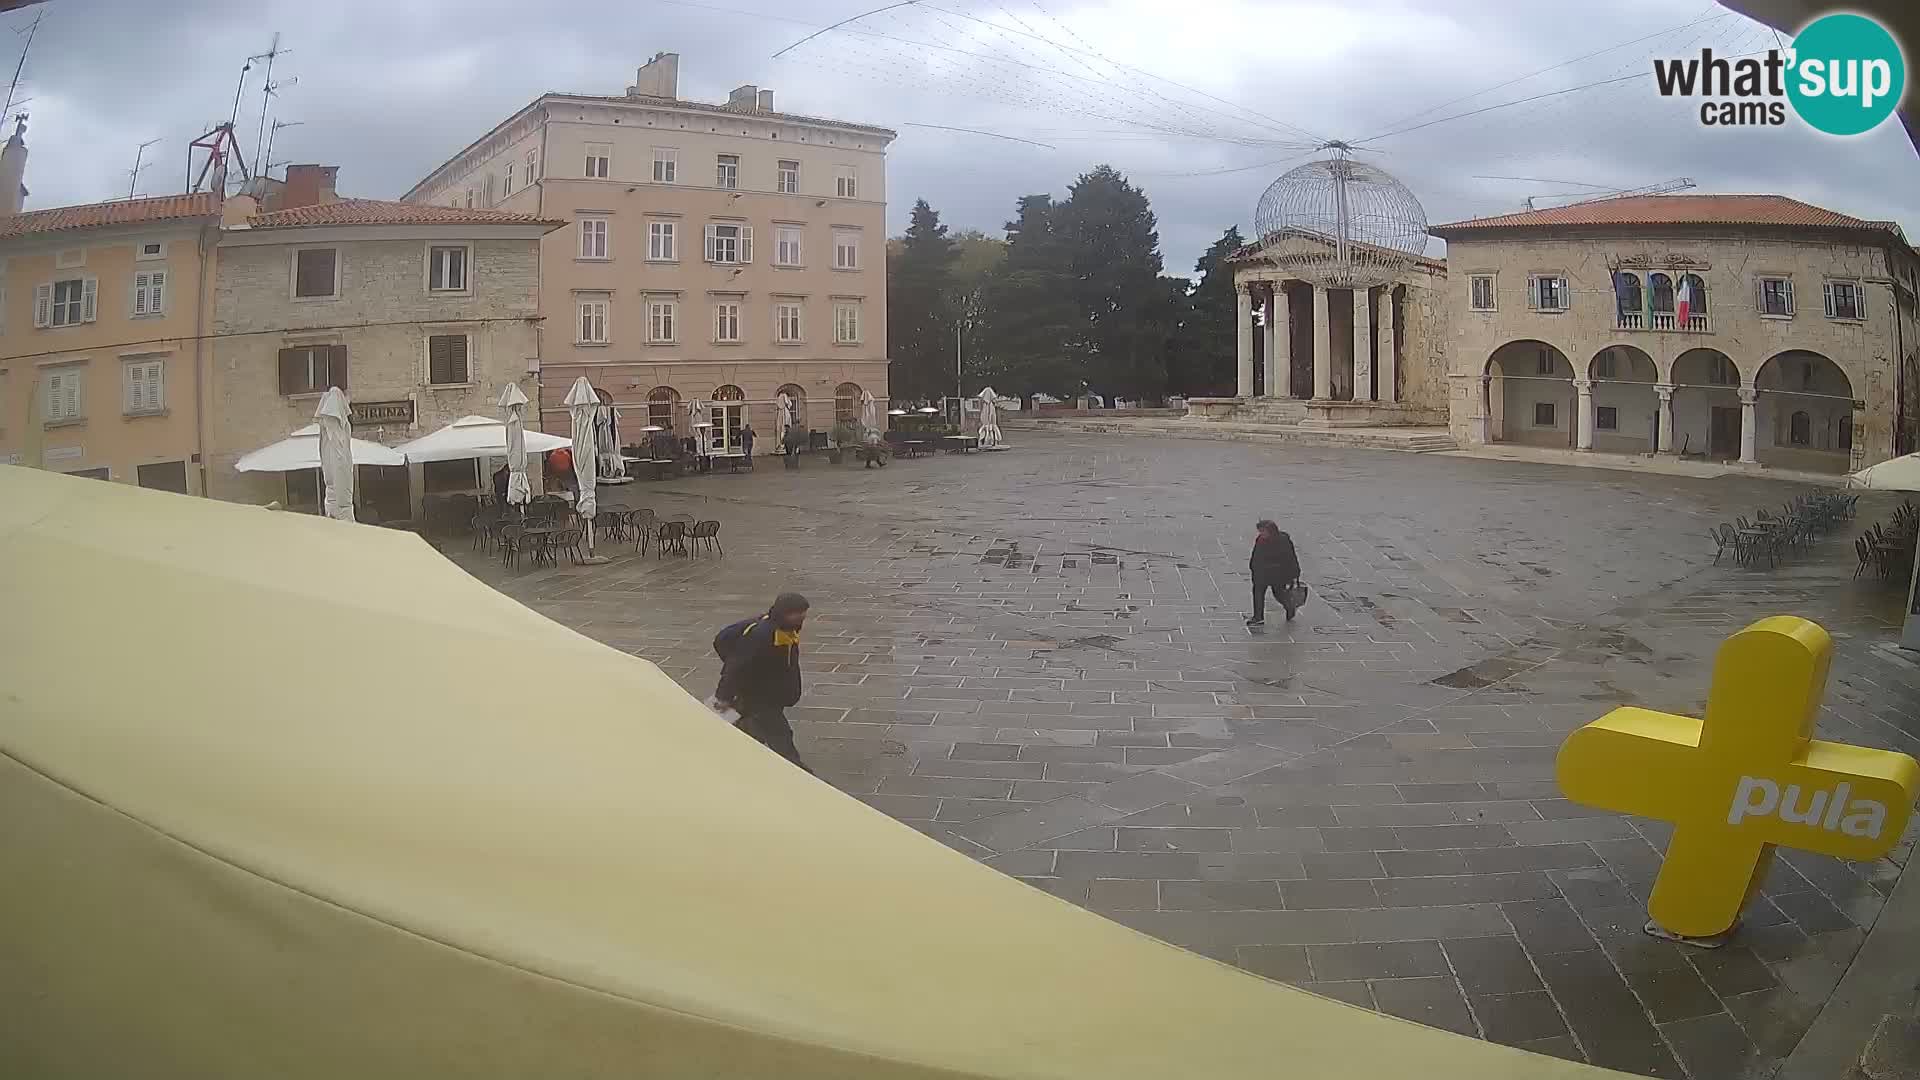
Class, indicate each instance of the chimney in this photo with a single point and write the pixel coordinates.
(744, 98)
(308, 185)
(13, 171)
(765, 104)
(659, 78)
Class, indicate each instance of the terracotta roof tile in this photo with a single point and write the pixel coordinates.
(118, 212)
(383, 212)
(1674, 210)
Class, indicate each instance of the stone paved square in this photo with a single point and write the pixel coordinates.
(1038, 658)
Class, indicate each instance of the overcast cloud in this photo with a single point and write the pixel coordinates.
(389, 90)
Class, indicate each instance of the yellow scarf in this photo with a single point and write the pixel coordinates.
(785, 637)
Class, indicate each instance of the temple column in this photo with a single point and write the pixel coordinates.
(1243, 310)
(1664, 391)
(1274, 338)
(1583, 415)
(1322, 346)
(1362, 345)
(1748, 427)
(1389, 359)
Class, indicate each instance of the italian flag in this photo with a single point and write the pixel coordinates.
(1683, 302)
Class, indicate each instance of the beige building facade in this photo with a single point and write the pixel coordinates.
(102, 320)
(1337, 357)
(1749, 328)
(711, 253)
(421, 314)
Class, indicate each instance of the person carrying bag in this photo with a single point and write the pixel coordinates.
(1275, 566)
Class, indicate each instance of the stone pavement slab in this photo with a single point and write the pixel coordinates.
(1038, 658)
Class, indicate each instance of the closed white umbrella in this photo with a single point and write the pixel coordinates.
(513, 401)
(989, 419)
(335, 418)
(478, 437)
(786, 415)
(582, 406)
(606, 430)
(301, 450)
(1894, 474)
(870, 415)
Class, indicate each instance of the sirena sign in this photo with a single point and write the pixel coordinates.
(1747, 777)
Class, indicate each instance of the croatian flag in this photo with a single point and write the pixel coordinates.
(1683, 302)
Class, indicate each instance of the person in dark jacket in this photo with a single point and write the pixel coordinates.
(500, 487)
(1275, 566)
(760, 675)
(746, 442)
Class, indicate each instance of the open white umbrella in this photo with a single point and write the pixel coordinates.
(513, 401)
(1894, 474)
(301, 450)
(481, 437)
(583, 405)
(335, 418)
(989, 419)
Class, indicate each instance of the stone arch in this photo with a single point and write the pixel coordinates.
(1529, 394)
(1804, 412)
(1626, 408)
(661, 407)
(1708, 418)
(798, 395)
(846, 403)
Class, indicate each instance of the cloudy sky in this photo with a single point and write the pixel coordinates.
(1202, 109)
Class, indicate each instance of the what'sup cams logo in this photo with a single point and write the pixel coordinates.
(1844, 74)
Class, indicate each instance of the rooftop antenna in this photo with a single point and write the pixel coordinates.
(13, 88)
(1664, 187)
(133, 174)
(267, 87)
(267, 158)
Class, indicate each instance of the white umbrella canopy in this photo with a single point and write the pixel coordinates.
(583, 405)
(513, 402)
(1894, 474)
(989, 419)
(301, 450)
(478, 437)
(335, 418)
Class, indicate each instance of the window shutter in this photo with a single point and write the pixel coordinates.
(154, 375)
(1828, 289)
(136, 387)
(712, 255)
(292, 368)
(42, 305)
(746, 243)
(1787, 289)
(89, 293)
(1533, 292)
(139, 294)
(336, 366)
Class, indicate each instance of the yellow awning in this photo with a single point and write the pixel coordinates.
(283, 797)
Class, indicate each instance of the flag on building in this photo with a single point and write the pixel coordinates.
(1683, 302)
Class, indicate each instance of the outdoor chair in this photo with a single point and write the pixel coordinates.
(567, 540)
(708, 532)
(511, 537)
(1724, 538)
(611, 523)
(671, 536)
(641, 524)
(1864, 552)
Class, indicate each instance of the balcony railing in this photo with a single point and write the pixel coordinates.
(1663, 320)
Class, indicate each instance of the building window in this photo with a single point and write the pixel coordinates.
(150, 293)
(846, 403)
(726, 171)
(846, 251)
(666, 165)
(447, 360)
(661, 315)
(846, 324)
(593, 238)
(507, 188)
(1603, 365)
(660, 407)
(1547, 292)
(660, 241)
(1776, 297)
(1844, 300)
(533, 165)
(311, 369)
(846, 183)
(729, 244)
(64, 303)
(447, 268)
(316, 273)
(152, 249)
(593, 321)
(1543, 412)
(63, 395)
(786, 323)
(1543, 362)
(1606, 418)
(786, 245)
(599, 161)
(469, 198)
(163, 476)
(443, 476)
(1480, 292)
(491, 199)
(726, 321)
(145, 382)
(1662, 288)
(1799, 429)
(787, 179)
(1629, 301)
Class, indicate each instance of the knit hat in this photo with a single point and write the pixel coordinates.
(788, 602)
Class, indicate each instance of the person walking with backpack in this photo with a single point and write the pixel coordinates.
(1276, 566)
(760, 673)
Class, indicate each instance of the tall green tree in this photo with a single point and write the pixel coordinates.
(979, 259)
(1033, 339)
(920, 307)
(1109, 230)
(1205, 349)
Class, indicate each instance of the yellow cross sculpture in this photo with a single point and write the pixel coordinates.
(1746, 778)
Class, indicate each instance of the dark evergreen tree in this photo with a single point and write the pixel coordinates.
(1033, 339)
(920, 308)
(1113, 255)
(1205, 349)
